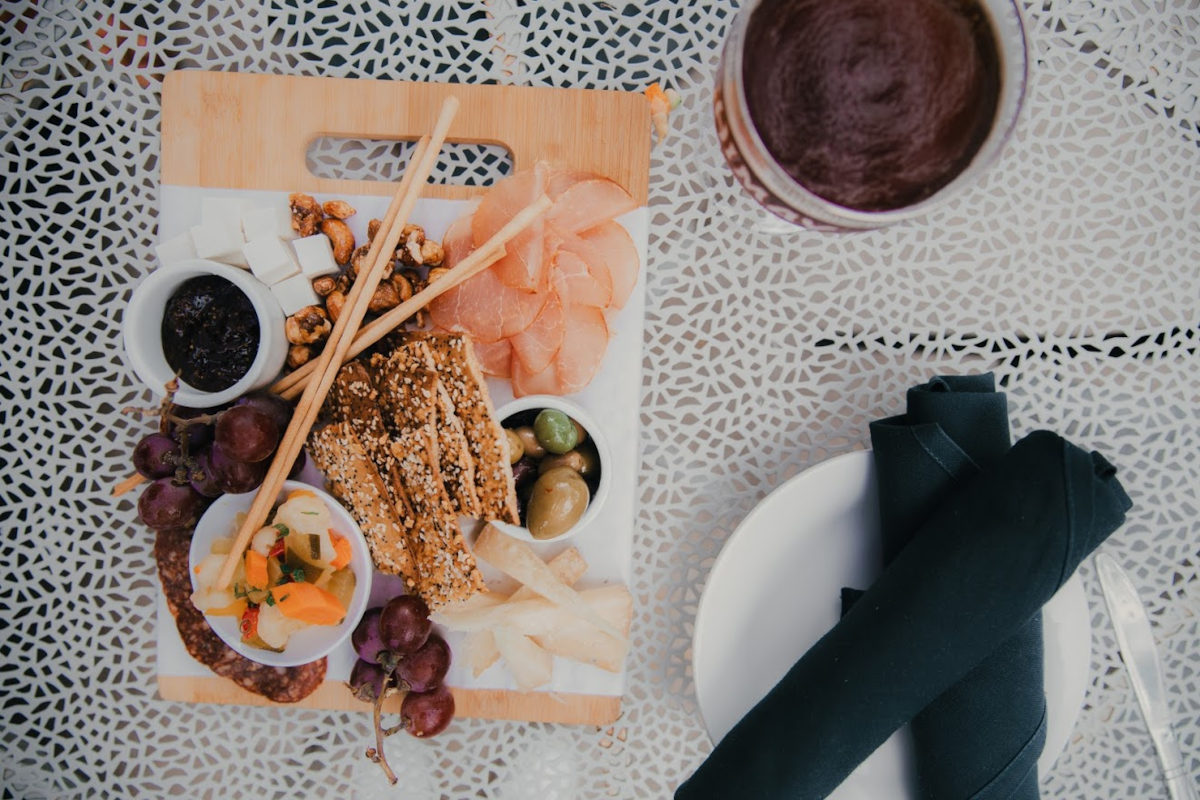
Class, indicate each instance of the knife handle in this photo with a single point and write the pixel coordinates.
(1180, 784)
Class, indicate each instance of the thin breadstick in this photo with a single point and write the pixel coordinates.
(340, 339)
(290, 385)
(480, 259)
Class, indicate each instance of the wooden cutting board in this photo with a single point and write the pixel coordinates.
(241, 131)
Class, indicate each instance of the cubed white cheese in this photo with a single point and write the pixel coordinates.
(270, 260)
(315, 255)
(294, 294)
(268, 221)
(225, 212)
(219, 243)
(176, 249)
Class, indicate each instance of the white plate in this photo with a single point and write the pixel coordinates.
(315, 641)
(796, 550)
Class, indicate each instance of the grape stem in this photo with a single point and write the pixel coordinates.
(382, 759)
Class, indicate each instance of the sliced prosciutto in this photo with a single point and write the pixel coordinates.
(612, 245)
(526, 383)
(486, 308)
(522, 265)
(584, 344)
(577, 284)
(495, 358)
(540, 315)
(536, 346)
(588, 203)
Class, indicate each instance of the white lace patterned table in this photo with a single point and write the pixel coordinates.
(1073, 272)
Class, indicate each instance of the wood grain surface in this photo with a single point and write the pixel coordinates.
(243, 131)
(240, 131)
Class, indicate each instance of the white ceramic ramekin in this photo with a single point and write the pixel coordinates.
(143, 331)
(594, 432)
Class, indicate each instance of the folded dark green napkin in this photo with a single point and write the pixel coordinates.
(982, 737)
(976, 571)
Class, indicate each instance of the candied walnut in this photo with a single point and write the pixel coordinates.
(334, 303)
(385, 297)
(403, 286)
(342, 284)
(324, 285)
(299, 355)
(432, 253)
(437, 272)
(340, 238)
(308, 326)
(306, 213)
(373, 228)
(409, 251)
(339, 209)
(358, 262)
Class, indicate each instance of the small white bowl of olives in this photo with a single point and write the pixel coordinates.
(558, 456)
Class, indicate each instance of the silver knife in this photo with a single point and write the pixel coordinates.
(1140, 655)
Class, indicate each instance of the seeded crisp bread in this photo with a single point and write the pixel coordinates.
(460, 373)
(412, 395)
(448, 570)
(356, 483)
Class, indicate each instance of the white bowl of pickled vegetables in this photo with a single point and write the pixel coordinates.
(299, 589)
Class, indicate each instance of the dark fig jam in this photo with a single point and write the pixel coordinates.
(210, 333)
(872, 104)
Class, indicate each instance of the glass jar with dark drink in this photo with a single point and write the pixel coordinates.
(857, 114)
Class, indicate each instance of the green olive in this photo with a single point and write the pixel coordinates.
(529, 440)
(555, 430)
(516, 448)
(580, 433)
(559, 499)
(583, 462)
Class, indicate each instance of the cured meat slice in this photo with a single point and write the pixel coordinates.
(536, 346)
(584, 344)
(611, 245)
(586, 204)
(456, 242)
(526, 383)
(564, 178)
(486, 308)
(522, 265)
(494, 357)
(578, 284)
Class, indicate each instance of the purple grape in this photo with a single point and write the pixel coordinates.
(165, 504)
(427, 713)
(425, 669)
(236, 477)
(366, 640)
(366, 680)
(404, 624)
(198, 434)
(155, 456)
(203, 475)
(247, 434)
(272, 405)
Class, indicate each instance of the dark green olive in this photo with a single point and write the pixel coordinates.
(583, 462)
(555, 430)
(558, 500)
(516, 448)
(529, 440)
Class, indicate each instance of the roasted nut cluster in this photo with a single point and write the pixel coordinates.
(415, 262)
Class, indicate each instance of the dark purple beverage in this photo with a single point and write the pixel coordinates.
(854, 113)
(872, 104)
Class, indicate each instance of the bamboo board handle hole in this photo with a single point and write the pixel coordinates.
(365, 159)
